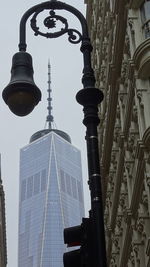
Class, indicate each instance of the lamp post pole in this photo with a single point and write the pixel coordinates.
(22, 88)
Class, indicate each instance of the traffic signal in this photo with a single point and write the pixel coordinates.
(80, 235)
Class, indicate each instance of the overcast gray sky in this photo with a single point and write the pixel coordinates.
(66, 64)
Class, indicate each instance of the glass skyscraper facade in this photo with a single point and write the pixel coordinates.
(50, 198)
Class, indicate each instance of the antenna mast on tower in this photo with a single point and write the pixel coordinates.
(49, 118)
(0, 171)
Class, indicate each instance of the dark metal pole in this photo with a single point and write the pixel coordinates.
(90, 98)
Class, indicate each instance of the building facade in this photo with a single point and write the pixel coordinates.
(3, 249)
(51, 198)
(120, 34)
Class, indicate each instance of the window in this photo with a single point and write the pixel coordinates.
(80, 194)
(62, 179)
(37, 183)
(145, 17)
(68, 184)
(43, 180)
(29, 186)
(74, 187)
(23, 190)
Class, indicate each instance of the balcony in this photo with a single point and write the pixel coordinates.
(141, 59)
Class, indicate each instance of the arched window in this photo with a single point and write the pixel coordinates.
(145, 17)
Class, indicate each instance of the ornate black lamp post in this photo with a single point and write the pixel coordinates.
(21, 95)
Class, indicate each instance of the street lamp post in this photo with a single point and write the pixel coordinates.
(22, 95)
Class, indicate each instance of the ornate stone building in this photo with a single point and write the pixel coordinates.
(120, 34)
(3, 252)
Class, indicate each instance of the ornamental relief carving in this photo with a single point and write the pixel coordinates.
(148, 180)
(113, 166)
(131, 25)
(116, 247)
(119, 228)
(135, 249)
(114, 157)
(140, 99)
(118, 113)
(113, 261)
(132, 32)
(127, 46)
(138, 242)
(117, 134)
(105, 28)
(131, 258)
(134, 116)
(131, 143)
(110, 184)
(148, 159)
(108, 200)
(99, 23)
(128, 216)
(140, 226)
(124, 72)
(144, 199)
(103, 72)
(129, 168)
(122, 201)
(123, 99)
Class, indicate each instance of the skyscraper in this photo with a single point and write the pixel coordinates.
(51, 195)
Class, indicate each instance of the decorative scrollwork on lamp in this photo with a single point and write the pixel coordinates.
(51, 22)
